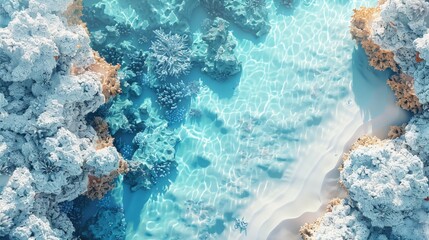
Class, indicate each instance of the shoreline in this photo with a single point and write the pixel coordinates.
(321, 184)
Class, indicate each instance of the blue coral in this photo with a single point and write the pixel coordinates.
(137, 62)
(171, 54)
(138, 176)
(108, 224)
(127, 151)
(112, 54)
(169, 95)
(149, 79)
(162, 169)
(176, 115)
(123, 29)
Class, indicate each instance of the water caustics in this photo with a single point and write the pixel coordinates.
(247, 156)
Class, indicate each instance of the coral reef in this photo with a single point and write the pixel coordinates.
(401, 28)
(99, 186)
(102, 129)
(397, 183)
(331, 226)
(387, 186)
(250, 15)
(362, 141)
(215, 49)
(402, 86)
(361, 30)
(108, 224)
(47, 145)
(171, 94)
(74, 13)
(395, 132)
(154, 157)
(109, 76)
(171, 54)
(416, 136)
(387, 182)
(142, 176)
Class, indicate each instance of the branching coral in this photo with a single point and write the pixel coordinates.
(360, 29)
(171, 94)
(171, 54)
(402, 86)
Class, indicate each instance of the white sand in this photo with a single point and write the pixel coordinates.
(315, 179)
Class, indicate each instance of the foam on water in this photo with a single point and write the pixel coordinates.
(265, 145)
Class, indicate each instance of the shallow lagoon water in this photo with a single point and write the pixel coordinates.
(266, 146)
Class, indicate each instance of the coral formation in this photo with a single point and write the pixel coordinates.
(397, 183)
(362, 141)
(361, 30)
(108, 224)
(388, 182)
(403, 87)
(250, 15)
(104, 137)
(332, 225)
(171, 54)
(109, 76)
(99, 186)
(74, 13)
(387, 185)
(396, 131)
(47, 145)
(215, 49)
(401, 28)
(154, 157)
(171, 94)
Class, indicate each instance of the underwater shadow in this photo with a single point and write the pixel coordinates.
(134, 202)
(224, 89)
(285, 10)
(371, 92)
(241, 34)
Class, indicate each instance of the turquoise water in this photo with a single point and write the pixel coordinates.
(261, 134)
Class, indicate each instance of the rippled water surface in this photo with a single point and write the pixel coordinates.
(255, 130)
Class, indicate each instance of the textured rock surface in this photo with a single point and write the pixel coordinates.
(342, 222)
(250, 15)
(386, 182)
(219, 59)
(401, 28)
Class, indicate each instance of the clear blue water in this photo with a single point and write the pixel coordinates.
(260, 134)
